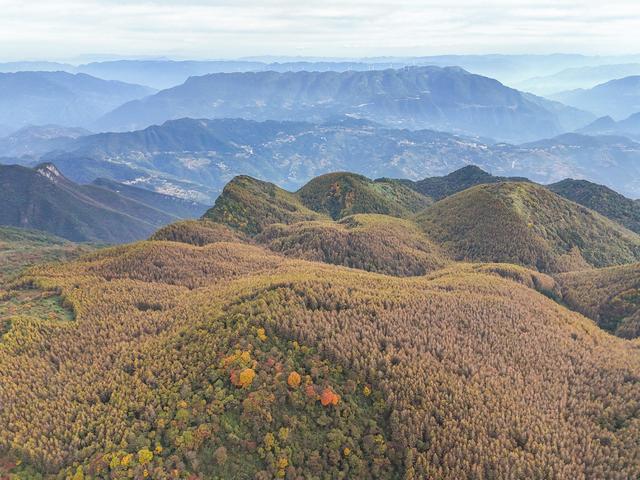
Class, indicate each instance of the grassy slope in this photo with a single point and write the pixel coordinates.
(460, 384)
(529, 225)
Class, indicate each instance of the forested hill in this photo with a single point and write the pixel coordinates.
(351, 329)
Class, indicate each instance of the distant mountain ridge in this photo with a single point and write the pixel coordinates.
(194, 158)
(72, 100)
(617, 98)
(449, 99)
(577, 77)
(629, 127)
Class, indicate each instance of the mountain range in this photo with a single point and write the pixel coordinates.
(195, 158)
(449, 99)
(618, 98)
(43, 199)
(41, 98)
(576, 78)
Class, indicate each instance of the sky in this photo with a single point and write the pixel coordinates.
(199, 29)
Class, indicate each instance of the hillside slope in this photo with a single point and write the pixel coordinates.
(283, 368)
(611, 296)
(526, 224)
(601, 199)
(43, 199)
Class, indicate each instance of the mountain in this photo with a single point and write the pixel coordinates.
(596, 197)
(43, 199)
(577, 78)
(611, 296)
(14, 67)
(629, 127)
(41, 98)
(601, 199)
(448, 99)
(439, 187)
(617, 98)
(163, 74)
(553, 234)
(195, 158)
(37, 140)
(230, 361)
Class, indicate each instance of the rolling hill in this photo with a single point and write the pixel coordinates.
(60, 98)
(285, 335)
(43, 199)
(375, 243)
(341, 194)
(448, 99)
(278, 367)
(617, 98)
(526, 224)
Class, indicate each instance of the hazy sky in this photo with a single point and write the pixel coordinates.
(64, 29)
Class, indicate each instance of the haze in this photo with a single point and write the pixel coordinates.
(87, 29)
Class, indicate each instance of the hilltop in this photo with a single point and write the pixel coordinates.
(456, 181)
(250, 205)
(526, 224)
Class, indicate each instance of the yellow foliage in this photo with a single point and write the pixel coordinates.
(269, 441)
(366, 390)
(145, 456)
(283, 463)
(346, 452)
(246, 377)
(294, 379)
(261, 334)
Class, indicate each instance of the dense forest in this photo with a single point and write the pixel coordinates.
(352, 330)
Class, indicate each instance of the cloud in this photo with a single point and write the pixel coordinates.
(225, 28)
